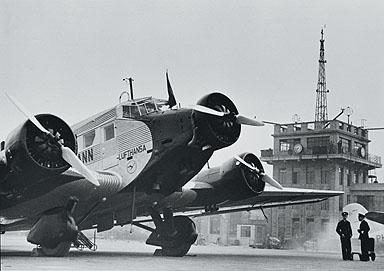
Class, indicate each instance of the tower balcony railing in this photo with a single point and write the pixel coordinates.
(327, 152)
(320, 126)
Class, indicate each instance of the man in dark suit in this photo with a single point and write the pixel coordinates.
(364, 237)
(344, 230)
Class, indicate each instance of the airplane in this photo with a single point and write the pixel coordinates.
(375, 216)
(127, 164)
(376, 221)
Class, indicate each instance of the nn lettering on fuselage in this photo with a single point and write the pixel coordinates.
(131, 152)
(86, 156)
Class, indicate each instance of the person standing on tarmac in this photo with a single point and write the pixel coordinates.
(364, 238)
(345, 231)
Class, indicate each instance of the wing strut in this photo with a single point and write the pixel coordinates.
(133, 208)
(87, 214)
(265, 216)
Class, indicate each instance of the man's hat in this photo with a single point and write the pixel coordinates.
(361, 215)
(344, 213)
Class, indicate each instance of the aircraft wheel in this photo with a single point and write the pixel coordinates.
(61, 250)
(179, 251)
(185, 236)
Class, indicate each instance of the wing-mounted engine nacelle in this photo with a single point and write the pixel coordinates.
(31, 155)
(216, 132)
(238, 180)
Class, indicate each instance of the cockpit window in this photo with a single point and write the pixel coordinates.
(130, 111)
(150, 107)
(143, 110)
(142, 107)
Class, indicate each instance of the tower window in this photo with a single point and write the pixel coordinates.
(324, 176)
(341, 203)
(324, 205)
(341, 176)
(295, 177)
(318, 145)
(245, 231)
(282, 175)
(214, 225)
(310, 177)
(284, 145)
(349, 177)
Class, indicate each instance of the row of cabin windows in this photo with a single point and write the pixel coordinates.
(108, 134)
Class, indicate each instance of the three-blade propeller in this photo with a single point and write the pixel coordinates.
(264, 177)
(239, 118)
(67, 154)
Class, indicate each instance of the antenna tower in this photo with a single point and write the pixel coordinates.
(321, 96)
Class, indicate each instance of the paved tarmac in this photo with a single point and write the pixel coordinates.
(130, 255)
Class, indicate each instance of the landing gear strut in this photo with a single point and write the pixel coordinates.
(174, 234)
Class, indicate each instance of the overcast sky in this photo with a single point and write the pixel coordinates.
(69, 57)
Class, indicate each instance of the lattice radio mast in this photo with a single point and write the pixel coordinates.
(321, 96)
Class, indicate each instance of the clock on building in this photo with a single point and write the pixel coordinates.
(298, 148)
(362, 152)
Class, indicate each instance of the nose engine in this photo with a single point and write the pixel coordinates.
(213, 131)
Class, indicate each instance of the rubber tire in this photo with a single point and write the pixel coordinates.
(179, 251)
(61, 250)
(185, 227)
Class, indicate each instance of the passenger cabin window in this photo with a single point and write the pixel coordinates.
(89, 138)
(109, 132)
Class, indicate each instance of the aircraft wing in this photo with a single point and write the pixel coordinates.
(375, 216)
(271, 197)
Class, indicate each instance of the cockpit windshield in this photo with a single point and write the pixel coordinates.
(142, 107)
